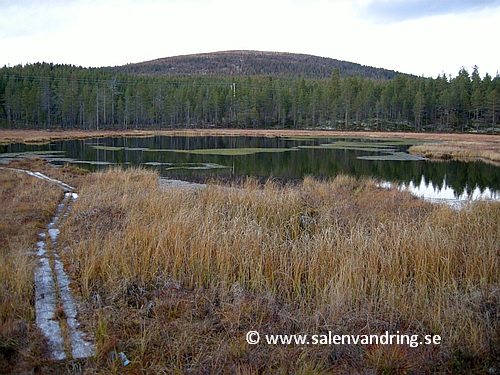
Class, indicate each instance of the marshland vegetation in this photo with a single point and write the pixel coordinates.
(27, 204)
(437, 145)
(176, 277)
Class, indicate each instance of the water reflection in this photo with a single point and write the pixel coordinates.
(201, 158)
(444, 193)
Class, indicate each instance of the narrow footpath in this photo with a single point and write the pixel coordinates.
(55, 307)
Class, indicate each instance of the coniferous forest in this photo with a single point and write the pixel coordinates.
(48, 96)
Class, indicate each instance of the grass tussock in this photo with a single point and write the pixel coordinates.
(175, 278)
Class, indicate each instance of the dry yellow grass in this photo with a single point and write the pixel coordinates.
(462, 150)
(27, 204)
(42, 136)
(176, 278)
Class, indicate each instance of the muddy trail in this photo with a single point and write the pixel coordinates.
(55, 308)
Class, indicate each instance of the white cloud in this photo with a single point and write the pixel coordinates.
(111, 32)
(401, 10)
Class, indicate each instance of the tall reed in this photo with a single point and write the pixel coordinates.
(341, 254)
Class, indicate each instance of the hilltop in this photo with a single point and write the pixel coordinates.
(251, 63)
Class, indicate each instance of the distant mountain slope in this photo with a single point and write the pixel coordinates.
(253, 63)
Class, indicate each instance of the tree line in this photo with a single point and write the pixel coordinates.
(48, 96)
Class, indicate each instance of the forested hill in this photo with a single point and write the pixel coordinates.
(251, 63)
(48, 96)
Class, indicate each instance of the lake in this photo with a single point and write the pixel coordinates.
(284, 158)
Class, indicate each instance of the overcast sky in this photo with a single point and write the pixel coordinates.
(422, 37)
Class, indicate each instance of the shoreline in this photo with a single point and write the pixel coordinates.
(443, 146)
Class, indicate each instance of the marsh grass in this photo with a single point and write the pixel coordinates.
(27, 204)
(176, 277)
(461, 150)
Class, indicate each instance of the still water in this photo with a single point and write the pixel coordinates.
(200, 158)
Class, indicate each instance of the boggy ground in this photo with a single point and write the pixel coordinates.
(27, 204)
(176, 277)
(466, 146)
